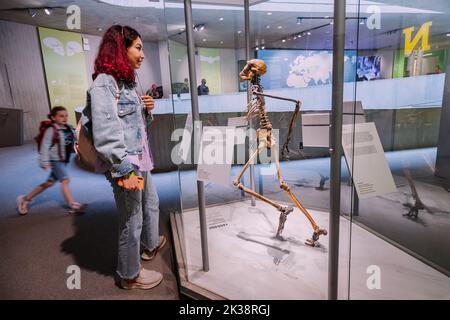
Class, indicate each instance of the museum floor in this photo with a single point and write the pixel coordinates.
(38, 248)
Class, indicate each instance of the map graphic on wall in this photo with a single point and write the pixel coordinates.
(302, 68)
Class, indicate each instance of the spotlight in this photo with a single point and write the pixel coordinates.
(48, 11)
(448, 34)
(32, 13)
(299, 20)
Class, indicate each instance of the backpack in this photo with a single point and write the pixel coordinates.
(55, 139)
(84, 147)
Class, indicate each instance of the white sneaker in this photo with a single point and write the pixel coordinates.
(147, 279)
(22, 205)
(76, 207)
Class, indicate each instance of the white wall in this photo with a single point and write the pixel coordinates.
(229, 71)
(228, 65)
(165, 69)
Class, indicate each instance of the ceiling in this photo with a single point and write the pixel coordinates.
(271, 22)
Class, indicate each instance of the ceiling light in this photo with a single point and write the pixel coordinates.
(239, 31)
(263, 47)
(221, 42)
(267, 27)
(280, 27)
(48, 11)
(257, 48)
(299, 20)
(284, 40)
(448, 34)
(331, 22)
(269, 13)
(220, 19)
(32, 12)
(295, 37)
(99, 29)
(308, 33)
(203, 40)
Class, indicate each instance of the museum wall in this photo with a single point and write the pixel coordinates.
(21, 54)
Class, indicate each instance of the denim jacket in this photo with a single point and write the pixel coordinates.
(50, 151)
(114, 124)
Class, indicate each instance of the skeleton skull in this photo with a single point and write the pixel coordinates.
(253, 67)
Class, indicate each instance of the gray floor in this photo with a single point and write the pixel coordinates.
(38, 248)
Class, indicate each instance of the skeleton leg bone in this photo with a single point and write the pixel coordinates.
(284, 186)
(285, 210)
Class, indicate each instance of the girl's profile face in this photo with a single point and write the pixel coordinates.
(61, 117)
(136, 53)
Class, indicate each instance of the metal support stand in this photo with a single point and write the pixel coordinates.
(249, 93)
(196, 117)
(335, 144)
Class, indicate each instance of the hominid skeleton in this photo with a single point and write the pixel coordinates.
(257, 107)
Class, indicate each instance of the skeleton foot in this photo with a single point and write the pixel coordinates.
(312, 242)
(285, 210)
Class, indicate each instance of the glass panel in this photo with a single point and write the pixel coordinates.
(399, 152)
(244, 246)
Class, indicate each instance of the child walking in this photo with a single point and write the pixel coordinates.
(55, 145)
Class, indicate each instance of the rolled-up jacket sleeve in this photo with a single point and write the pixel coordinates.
(107, 131)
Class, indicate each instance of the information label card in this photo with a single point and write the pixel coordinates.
(366, 160)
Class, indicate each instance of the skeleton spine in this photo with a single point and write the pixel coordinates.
(264, 121)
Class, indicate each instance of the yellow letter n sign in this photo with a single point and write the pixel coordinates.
(423, 34)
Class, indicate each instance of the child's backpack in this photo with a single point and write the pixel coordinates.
(55, 139)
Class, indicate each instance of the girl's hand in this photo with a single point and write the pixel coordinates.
(148, 102)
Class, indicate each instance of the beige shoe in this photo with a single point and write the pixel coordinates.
(148, 255)
(147, 279)
(22, 205)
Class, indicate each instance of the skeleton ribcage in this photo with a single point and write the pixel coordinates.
(257, 107)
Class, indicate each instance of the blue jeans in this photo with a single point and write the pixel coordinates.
(138, 223)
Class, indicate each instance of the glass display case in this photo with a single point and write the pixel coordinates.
(249, 252)
(398, 154)
(253, 237)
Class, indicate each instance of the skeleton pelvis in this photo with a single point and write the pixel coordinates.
(265, 137)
